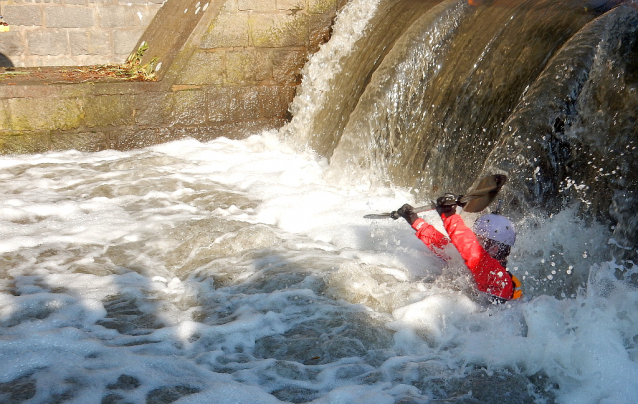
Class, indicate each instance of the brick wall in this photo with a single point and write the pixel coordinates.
(73, 32)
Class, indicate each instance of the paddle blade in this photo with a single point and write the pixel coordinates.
(394, 215)
(477, 200)
(484, 193)
(378, 216)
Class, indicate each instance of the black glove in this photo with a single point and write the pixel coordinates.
(407, 212)
(459, 201)
(447, 204)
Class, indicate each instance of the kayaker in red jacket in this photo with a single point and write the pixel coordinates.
(484, 250)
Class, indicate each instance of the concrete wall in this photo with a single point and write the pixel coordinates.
(73, 32)
(229, 68)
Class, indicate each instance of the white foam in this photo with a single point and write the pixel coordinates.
(318, 74)
(175, 264)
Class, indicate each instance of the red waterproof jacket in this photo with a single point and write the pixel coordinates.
(489, 274)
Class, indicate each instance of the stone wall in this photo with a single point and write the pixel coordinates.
(228, 68)
(246, 65)
(73, 32)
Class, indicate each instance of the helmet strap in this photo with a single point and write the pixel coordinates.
(496, 250)
(492, 250)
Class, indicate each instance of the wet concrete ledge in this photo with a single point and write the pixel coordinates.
(231, 70)
(93, 116)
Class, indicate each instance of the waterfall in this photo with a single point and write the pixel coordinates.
(243, 270)
(544, 91)
(573, 135)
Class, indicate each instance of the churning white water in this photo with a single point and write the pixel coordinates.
(234, 271)
(231, 272)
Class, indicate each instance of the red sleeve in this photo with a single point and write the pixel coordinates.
(488, 272)
(431, 237)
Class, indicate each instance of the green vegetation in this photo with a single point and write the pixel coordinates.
(135, 68)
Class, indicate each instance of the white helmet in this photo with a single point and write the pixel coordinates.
(495, 227)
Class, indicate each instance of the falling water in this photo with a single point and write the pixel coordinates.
(242, 271)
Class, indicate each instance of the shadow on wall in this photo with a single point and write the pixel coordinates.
(5, 61)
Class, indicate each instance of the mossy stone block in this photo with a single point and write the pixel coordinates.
(263, 64)
(227, 30)
(153, 108)
(108, 110)
(244, 104)
(257, 5)
(5, 116)
(135, 139)
(287, 65)
(170, 134)
(274, 101)
(44, 114)
(189, 107)
(203, 68)
(28, 143)
(85, 142)
(248, 66)
(319, 30)
(322, 6)
(291, 5)
(231, 104)
(218, 101)
(278, 30)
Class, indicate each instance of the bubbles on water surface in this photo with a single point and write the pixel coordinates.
(233, 272)
(370, 285)
(163, 294)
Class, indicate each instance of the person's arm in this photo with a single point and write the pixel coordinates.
(431, 237)
(488, 272)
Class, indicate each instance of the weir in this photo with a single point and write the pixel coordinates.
(208, 269)
(215, 68)
(544, 91)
